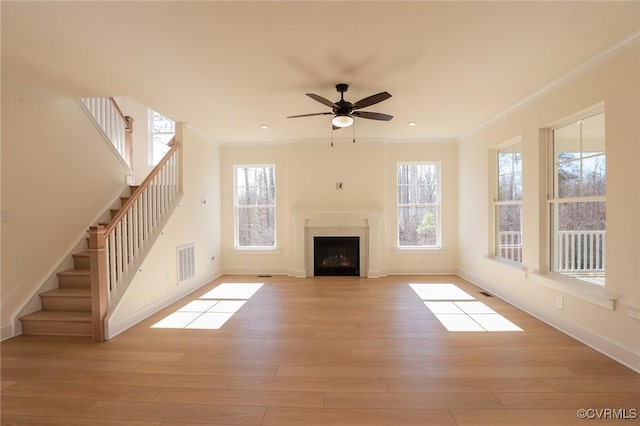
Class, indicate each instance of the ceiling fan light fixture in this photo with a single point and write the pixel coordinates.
(342, 121)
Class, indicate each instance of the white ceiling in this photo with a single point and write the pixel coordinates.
(228, 67)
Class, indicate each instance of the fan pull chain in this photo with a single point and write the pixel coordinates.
(354, 130)
(332, 135)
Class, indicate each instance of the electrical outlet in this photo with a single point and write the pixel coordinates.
(560, 302)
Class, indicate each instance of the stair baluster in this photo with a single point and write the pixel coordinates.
(118, 249)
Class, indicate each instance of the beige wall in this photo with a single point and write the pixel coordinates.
(196, 220)
(306, 177)
(58, 176)
(586, 315)
(140, 114)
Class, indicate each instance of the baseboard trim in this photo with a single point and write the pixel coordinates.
(257, 271)
(598, 342)
(7, 332)
(115, 327)
(420, 271)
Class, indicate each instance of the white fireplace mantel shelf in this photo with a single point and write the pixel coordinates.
(314, 218)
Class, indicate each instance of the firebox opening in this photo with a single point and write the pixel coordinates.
(336, 256)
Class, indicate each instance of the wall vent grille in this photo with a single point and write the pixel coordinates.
(186, 262)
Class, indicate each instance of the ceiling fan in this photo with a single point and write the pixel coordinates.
(344, 111)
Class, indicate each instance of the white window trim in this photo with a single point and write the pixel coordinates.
(150, 136)
(584, 290)
(493, 203)
(236, 244)
(417, 249)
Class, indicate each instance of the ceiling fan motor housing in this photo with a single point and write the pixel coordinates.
(342, 107)
(342, 87)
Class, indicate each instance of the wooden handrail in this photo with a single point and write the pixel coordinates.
(128, 131)
(117, 249)
(145, 183)
(125, 118)
(117, 127)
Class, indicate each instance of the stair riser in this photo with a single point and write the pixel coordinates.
(57, 328)
(69, 281)
(81, 262)
(61, 303)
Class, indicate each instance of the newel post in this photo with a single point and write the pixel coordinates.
(98, 268)
(128, 139)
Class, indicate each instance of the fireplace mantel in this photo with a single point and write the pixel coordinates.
(307, 224)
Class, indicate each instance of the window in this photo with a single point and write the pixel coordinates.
(255, 206)
(508, 203)
(578, 206)
(419, 205)
(162, 130)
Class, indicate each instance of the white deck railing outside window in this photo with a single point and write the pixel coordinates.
(576, 251)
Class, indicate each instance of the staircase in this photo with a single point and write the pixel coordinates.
(101, 275)
(66, 310)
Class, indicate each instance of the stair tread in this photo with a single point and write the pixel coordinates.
(71, 316)
(68, 292)
(75, 272)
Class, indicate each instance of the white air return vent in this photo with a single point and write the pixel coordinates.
(186, 262)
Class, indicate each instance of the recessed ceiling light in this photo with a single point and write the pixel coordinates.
(412, 123)
(264, 126)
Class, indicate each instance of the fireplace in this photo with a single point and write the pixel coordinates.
(336, 256)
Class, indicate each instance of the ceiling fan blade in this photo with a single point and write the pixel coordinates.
(310, 115)
(322, 100)
(372, 115)
(370, 100)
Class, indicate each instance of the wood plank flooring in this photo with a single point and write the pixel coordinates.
(318, 351)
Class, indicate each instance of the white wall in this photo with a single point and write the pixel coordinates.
(196, 220)
(306, 177)
(587, 316)
(58, 176)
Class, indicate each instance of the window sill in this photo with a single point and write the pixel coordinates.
(583, 290)
(257, 250)
(507, 263)
(633, 310)
(418, 250)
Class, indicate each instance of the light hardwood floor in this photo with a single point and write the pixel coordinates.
(318, 351)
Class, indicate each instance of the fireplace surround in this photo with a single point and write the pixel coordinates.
(307, 224)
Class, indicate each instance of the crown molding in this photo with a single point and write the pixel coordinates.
(587, 65)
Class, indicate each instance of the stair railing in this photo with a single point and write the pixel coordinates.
(117, 127)
(118, 249)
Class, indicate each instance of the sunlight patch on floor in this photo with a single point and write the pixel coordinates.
(457, 310)
(211, 310)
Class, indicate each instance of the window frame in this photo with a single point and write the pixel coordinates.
(496, 202)
(438, 206)
(236, 236)
(554, 199)
(151, 151)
